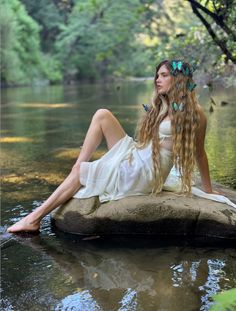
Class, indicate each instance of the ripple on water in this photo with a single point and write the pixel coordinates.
(216, 274)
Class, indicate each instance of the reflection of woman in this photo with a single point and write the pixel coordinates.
(171, 132)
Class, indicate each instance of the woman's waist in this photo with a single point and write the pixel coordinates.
(167, 145)
(145, 154)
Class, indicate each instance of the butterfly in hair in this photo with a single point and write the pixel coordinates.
(176, 66)
(177, 107)
(191, 86)
(186, 71)
(146, 107)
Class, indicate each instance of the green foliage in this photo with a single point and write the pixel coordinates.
(225, 301)
(93, 39)
(51, 69)
(50, 17)
(20, 46)
(182, 35)
(100, 39)
(21, 59)
(219, 18)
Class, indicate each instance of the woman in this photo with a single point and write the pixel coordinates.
(171, 132)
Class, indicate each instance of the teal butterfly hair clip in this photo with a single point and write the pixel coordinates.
(178, 66)
(191, 86)
(146, 107)
(177, 107)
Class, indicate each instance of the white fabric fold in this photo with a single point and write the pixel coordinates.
(211, 196)
(173, 183)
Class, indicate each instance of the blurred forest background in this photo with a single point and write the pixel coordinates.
(63, 41)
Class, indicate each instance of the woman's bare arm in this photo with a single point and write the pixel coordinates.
(201, 156)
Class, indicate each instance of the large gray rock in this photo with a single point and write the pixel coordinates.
(166, 215)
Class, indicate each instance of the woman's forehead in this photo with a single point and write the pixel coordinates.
(162, 69)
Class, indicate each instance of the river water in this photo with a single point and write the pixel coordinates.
(42, 130)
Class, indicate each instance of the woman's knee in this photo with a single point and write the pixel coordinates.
(100, 114)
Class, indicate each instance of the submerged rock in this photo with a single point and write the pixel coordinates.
(168, 215)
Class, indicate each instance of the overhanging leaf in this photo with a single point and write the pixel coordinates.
(225, 301)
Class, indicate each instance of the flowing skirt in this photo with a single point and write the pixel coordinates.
(123, 171)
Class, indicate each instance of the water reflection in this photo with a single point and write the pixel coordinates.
(84, 301)
(215, 275)
(103, 275)
(79, 301)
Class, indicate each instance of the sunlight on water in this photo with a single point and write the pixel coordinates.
(15, 139)
(79, 301)
(45, 105)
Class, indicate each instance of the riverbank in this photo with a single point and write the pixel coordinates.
(226, 77)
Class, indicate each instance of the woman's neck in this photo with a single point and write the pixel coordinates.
(165, 102)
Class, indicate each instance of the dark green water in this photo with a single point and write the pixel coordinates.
(42, 129)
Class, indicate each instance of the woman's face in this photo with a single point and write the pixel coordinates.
(163, 80)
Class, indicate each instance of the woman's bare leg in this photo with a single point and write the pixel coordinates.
(103, 124)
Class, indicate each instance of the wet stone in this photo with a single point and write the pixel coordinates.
(166, 215)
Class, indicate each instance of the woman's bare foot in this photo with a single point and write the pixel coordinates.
(24, 225)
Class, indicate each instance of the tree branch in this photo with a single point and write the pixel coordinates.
(218, 42)
(205, 10)
(218, 19)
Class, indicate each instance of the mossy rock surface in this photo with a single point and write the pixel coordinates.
(168, 215)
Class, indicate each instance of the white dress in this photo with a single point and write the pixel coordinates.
(124, 170)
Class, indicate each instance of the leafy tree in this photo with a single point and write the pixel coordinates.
(20, 46)
(21, 59)
(173, 31)
(91, 39)
(50, 15)
(219, 18)
(101, 38)
(180, 34)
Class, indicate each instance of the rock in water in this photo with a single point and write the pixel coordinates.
(167, 215)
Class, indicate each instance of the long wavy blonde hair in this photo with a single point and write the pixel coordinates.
(184, 125)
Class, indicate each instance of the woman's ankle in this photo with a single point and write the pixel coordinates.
(33, 218)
